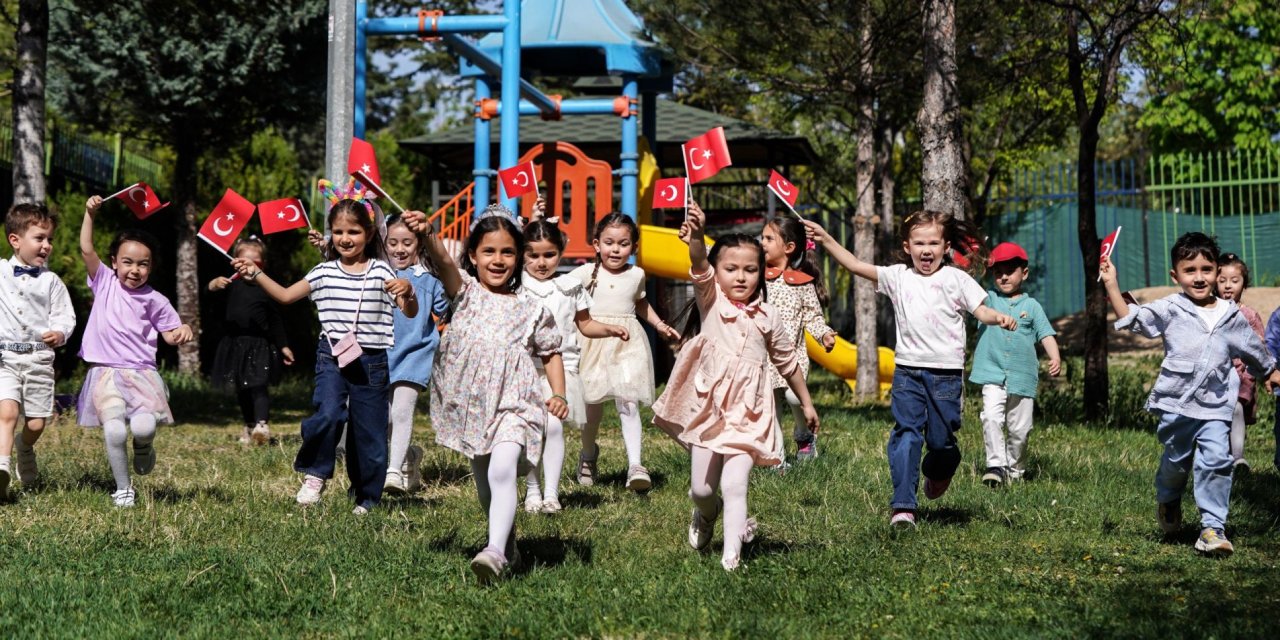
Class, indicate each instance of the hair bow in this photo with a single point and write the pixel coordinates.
(809, 245)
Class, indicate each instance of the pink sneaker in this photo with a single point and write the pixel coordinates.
(903, 519)
(933, 489)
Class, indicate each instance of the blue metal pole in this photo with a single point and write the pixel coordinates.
(509, 144)
(574, 107)
(444, 24)
(481, 172)
(357, 112)
(465, 49)
(630, 154)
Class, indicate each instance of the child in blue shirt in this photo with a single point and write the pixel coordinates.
(1006, 366)
(1273, 344)
(1195, 394)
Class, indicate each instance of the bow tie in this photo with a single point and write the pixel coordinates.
(25, 271)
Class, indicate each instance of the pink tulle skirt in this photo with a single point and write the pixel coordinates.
(112, 394)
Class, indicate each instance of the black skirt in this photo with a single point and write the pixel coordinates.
(244, 362)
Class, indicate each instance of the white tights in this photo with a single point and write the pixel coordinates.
(404, 400)
(495, 476)
(632, 430)
(115, 434)
(729, 473)
(552, 463)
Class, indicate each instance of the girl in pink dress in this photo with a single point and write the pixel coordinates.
(1233, 279)
(719, 403)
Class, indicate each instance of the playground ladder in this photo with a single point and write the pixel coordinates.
(454, 218)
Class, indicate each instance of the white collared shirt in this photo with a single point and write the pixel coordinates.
(33, 305)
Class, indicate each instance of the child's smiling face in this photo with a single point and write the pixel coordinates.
(1230, 282)
(402, 246)
(614, 246)
(926, 246)
(1197, 276)
(34, 244)
(132, 264)
(495, 259)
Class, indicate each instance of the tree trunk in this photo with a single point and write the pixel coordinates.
(188, 279)
(28, 101)
(1096, 383)
(867, 386)
(943, 173)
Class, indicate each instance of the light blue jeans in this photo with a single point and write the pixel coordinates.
(1201, 448)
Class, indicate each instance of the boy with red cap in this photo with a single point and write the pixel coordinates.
(1006, 365)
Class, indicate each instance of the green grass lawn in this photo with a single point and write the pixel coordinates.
(217, 548)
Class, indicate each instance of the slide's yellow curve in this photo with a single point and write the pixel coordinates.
(663, 254)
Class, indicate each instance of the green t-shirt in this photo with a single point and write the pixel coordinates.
(1008, 358)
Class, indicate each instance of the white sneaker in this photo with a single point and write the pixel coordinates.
(395, 483)
(309, 493)
(412, 469)
(261, 434)
(28, 471)
(360, 510)
(123, 497)
(551, 505)
(246, 437)
(533, 502)
(144, 458)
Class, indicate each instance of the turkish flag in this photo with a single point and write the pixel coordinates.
(1109, 245)
(363, 163)
(519, 180)
(668, 193)
(227, 220)
(140, 199)
(282, 215)
(706, 155)
(783, 188)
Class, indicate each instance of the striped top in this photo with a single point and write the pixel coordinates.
(337, 294)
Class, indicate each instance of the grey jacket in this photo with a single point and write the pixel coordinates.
(1196, 378)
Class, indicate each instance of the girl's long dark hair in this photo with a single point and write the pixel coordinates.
(613, 219)
(375, 248)
(488, 225)
(692, 318)
(962, 234)
(790, 230)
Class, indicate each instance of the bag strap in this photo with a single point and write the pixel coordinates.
(359, 303)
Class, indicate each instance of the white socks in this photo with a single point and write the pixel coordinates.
(552, 463)
(709, 471)
(495, 476)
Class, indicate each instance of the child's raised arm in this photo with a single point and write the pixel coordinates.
(448, 274)
(1110, 280)
(842, 255)
(695, 225)
(87, 252)
(251, 272)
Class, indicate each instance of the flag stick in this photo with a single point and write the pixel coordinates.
(688, 188)
(215, 247)
(305, 214)
(784, 201)
(120, 192)
(1113, 249)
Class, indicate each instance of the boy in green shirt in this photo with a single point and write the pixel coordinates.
(1006, 365)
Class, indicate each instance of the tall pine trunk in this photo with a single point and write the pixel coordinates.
(943, 173)
(867, 386)
(28, 101)
(188, 279)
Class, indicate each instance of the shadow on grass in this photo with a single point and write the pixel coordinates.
(763, 546)
(550, 551)
(581, 500)
(1262, 491)
(413, 500)
(171, 495)
(946, 516)
(96, 482)
(436, 472)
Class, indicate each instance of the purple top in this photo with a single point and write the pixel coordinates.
(124, 323)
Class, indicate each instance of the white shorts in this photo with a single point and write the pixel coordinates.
(27, 378)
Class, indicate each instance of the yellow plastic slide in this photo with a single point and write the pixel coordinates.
(663, 254)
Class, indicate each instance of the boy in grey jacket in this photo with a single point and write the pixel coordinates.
(1195, 394)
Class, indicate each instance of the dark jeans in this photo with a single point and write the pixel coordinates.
(255, 403)
(926, 407)
(1276, 430)
(355, 396)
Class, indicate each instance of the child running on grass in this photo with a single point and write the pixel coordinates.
(119, 346)
(36, 317)
(795, 289)
(1273, 345)
(621, 370)
(1233, 279)
(487, 401)
(1006, 366)
(568, 302)
(255, 345)
(718, 401)
(1195, 394)
(355, 293)
(928, 298)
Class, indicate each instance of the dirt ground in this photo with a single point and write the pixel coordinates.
(1264, 300)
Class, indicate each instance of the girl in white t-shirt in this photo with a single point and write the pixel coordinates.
(927, 297)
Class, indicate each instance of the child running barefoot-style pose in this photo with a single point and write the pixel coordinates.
(1233, 280)
(412, 357)
(928, 298)
(247, 361)
(568, 302)
(795, 289)
(355, 292)
(612, 368)
(119, 346)
(487, 401)
(718, 402)
(1195, 394)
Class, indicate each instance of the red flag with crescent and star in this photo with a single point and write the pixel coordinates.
(362, 163)
(140, 199)
(519, 180)
(706, 155)
(284, 214)
(668, 193)
(784, 189)
(227, 220)
(1109, 245)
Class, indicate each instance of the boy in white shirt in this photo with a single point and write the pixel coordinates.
(36, 317)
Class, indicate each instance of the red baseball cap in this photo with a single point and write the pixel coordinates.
(1007, 251)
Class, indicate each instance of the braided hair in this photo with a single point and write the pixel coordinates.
(611, 220)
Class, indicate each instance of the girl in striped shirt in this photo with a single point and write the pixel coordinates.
(354, 292)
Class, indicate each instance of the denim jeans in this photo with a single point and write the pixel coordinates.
(1276, 430)
(355, 397)
(926, 407)
(1202, 449)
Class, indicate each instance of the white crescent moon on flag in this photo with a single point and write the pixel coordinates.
(297, 213)
(218, 229)
(521, 179)
(781, 186)
(674, 193)
(140, 190)
(693, 159)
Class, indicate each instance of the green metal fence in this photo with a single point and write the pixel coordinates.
(104, 165)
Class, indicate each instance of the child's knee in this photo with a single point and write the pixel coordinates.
(700, 491)
(115, 433)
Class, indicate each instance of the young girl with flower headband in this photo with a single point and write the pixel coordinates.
(355, 293)
(487, 400)
(795, 289)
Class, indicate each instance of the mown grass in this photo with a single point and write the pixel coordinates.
(218, 549)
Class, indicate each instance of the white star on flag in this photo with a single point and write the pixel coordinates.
(365, 167)
(706, 155)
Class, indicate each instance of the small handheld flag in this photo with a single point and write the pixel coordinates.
(784, 189)
(669, 193)
(283, 215)
(706, 155)
(1108, 247)
(226, 221)
(519, 180)
(140, 199)
(362, 164)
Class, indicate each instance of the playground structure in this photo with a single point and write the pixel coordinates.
(567, 38)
